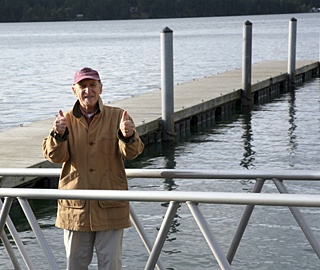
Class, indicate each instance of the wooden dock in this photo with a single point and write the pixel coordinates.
(194, 102)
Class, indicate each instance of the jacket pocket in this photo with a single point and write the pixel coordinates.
(77, 204)
(109, 144)
(70, 182)
(113, 204)
(113, 182)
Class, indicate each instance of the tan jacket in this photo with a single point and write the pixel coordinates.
(93, 158)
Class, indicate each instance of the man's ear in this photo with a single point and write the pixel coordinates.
(74, 90)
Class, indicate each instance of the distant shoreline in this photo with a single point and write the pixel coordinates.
(97, 10)
(137, 19)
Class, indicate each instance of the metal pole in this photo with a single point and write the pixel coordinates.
(203, 225)
(16, 239)
(300, 219)
(38, 233)
(9, 249)
(292, 52)
(266, 199)
(144, 237)
(243, 223)
(247, 63)
(20, 245)
(162, 234)
(167, 95)
(5, 209)
(309, 175)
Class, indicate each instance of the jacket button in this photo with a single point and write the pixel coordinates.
(90, 170)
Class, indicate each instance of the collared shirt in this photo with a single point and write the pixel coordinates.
(87, 116)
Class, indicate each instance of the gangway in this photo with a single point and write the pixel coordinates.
(174, 198)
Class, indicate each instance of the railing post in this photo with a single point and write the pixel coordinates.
(247, 63)
(243, 222)
(4, 212)
(162, 234)
(10, 251)
(167, 95)
(18, 242)
(292, 53)
(204, 227)
(143, 236)
(5, 209)
(300, 219)
(38, 233)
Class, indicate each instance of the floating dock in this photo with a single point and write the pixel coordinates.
(195, 102)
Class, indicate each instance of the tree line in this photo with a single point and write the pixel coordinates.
(66, 10)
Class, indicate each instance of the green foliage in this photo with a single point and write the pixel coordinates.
(65, 10)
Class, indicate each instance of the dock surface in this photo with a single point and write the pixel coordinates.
(21, 146)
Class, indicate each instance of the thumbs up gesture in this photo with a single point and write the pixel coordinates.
(60, 124)
(127, 127)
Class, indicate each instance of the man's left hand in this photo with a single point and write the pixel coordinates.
(127, 127)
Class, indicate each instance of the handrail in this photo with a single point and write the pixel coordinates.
(185, 174)
(175, 198)
(270, 199)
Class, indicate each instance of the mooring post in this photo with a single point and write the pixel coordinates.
(292, 52)
(247, 63)
(167, 96)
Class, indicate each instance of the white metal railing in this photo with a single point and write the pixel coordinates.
(175, 198)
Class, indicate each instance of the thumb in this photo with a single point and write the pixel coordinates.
(124, 116)
(61, 113)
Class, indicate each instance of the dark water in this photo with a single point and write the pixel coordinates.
(281, 134)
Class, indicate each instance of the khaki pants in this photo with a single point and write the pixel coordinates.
(79, 249)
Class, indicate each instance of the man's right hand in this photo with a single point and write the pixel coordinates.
(60, 124)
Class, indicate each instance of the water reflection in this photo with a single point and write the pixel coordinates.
(164, 155)
(249, 154)
(169, 163)
(169, 185)
(292, 126)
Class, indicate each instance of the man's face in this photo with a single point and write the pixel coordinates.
(87, 91)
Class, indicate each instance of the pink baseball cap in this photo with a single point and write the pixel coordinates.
(86, 73)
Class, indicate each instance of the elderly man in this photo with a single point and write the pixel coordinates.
(92, 141)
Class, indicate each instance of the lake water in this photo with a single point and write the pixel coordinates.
(38, 60)
(38, 63)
